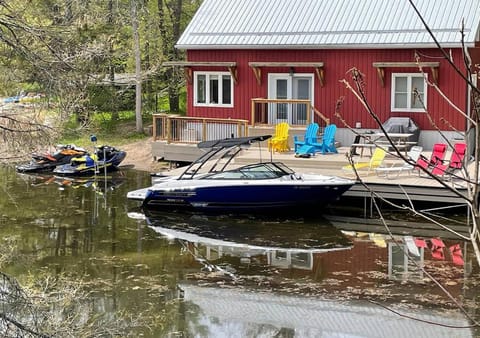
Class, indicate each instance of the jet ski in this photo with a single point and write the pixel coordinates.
(46, 162)
(105, 158)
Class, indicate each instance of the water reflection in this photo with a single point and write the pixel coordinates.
(290, 277)
(241, 313)
(410, 244)
(100, 183)
(257, 280)
(285, 244)
(73, 207)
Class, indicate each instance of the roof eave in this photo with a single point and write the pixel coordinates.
(328, 46)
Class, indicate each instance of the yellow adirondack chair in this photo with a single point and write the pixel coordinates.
(375, 162)
(279, 141)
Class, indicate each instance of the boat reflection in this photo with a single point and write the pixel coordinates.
(285, 244)
(323, 247)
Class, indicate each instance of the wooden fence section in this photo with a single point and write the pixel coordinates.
(180, 129)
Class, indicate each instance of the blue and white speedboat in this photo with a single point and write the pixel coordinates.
(207, 184)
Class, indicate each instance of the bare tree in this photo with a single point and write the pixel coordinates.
(469, 175)
(138, 68)
(49, 54)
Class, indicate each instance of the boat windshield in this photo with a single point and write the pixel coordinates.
(256, 171)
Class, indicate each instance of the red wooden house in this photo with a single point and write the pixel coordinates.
(260, 60)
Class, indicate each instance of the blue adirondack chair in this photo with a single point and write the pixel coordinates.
(306, 146)
(328, 140)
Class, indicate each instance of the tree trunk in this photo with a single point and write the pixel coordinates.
(111, 67)
(138, 70)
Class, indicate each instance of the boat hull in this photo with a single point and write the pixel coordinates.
(207, 185)
(245, 197)
(34, 167)
(48, 162)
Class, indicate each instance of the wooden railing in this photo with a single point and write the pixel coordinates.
(273, 111)
(325, 119)
(180, 129)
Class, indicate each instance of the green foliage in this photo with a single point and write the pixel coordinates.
(106, 128)
(66, 49)
(164, 106)
(107, 98)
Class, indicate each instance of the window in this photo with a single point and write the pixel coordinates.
(403, 88)
(213, 89)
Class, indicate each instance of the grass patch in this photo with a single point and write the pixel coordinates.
(106, 129)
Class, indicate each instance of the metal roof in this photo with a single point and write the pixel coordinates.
(263, 24)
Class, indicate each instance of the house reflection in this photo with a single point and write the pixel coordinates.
(213, 252)
(256, 311)
(283, 259)
(328, 253)
(252, 313)
(403, 266)
(410, 246)
(288, 259)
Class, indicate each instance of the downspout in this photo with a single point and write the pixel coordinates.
(469, 91)
(468, 104)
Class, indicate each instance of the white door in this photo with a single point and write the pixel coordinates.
(279, 89)
(289, 87)
(302, 90)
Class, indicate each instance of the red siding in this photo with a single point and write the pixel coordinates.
(337, 64)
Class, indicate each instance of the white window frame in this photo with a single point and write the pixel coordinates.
(207, 89)
(409, 77)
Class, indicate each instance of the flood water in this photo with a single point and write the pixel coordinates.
(192, 275)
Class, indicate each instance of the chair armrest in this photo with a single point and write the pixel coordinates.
(423, 158)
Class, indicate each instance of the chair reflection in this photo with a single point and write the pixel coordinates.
(402, 264)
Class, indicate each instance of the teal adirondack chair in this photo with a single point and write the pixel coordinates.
(328, 140)
(306, 146)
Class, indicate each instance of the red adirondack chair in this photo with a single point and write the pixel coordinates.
(437, 248)
(457, 256)
(438, 154)
(455, 162)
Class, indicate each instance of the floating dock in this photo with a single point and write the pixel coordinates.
(406, 187)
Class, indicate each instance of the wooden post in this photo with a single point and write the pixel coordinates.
(169, 130)
(204, 130)
(154, 127)
(252, 121)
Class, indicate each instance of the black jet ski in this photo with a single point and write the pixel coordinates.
(46, 162)
(104, 158)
